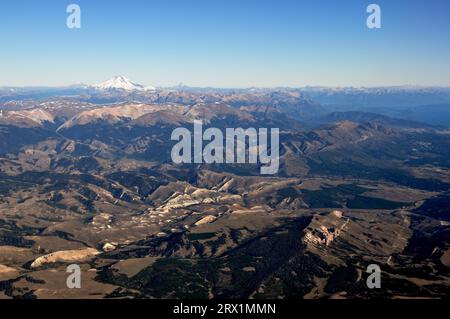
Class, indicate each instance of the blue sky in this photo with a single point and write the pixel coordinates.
(226, 43)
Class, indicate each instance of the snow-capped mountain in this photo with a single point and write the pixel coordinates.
(122, 83)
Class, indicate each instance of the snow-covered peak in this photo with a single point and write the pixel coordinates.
(122, 83)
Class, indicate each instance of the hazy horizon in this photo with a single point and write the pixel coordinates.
(307, 86)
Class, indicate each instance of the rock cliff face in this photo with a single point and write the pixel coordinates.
(321, 236)
(325, 229)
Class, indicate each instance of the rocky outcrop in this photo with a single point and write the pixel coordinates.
(67, 256)
(191, 196)
(321, 236)
(323, 230)
(109, 247)
(206, 220)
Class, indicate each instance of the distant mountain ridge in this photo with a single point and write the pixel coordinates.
(309, 105)
(373, 97)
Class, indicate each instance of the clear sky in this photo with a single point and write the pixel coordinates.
(226, 43)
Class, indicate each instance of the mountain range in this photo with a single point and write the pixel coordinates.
(413, 103)
(86, 177)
